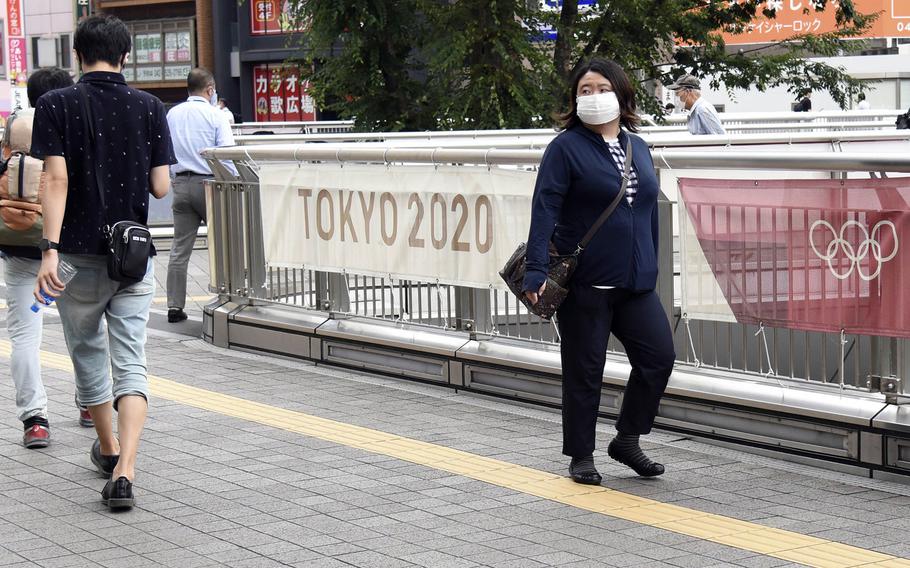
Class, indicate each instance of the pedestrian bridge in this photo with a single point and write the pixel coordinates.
(292, 282)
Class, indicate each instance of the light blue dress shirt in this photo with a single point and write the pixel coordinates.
(703, 119)
(196, 125)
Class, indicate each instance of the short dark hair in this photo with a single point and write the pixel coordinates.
(199, 79)
(102, 38)
(611, 71)
(47, 79)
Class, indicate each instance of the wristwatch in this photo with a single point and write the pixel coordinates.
(45, 244)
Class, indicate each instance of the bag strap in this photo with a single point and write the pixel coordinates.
(612, 207)
(89, 119)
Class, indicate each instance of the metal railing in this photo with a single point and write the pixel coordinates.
(309, 127)
(239, 268)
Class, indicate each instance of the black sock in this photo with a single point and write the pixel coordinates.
(40, 420)
(583, 465)
(627, 441)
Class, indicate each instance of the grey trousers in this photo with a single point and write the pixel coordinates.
(189, 211)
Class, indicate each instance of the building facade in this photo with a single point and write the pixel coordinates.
(255, 45)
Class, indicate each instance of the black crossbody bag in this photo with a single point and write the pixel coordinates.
(129, 244)
(561, 265)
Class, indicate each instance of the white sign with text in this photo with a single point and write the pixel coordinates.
(457, 225)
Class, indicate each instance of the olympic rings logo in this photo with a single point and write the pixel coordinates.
(869, 245)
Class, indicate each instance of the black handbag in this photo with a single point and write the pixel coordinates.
(129, 244)
(561, 265)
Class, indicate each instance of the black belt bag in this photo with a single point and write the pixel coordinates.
(129, 247)
(129, 244)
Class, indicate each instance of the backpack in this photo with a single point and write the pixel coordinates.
(903, 121)
(21, 184)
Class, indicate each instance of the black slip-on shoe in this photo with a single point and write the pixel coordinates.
(176, 315)
(105, 464)
(118, 494)
(582, 470)
(636, 459)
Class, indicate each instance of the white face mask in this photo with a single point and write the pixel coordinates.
(213, 100)
(597, 109)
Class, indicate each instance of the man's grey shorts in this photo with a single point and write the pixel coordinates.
(90, 300)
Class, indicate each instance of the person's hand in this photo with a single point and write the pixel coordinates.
(533, 297)
(48, 282)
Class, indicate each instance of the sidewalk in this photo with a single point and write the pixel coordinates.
(249, 461)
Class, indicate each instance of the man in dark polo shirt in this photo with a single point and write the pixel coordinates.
(130, 152)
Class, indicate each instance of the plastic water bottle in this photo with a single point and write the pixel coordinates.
(65, 272)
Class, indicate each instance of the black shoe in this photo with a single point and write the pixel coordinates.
(118, 494)
(176, 315)
(634, 458)
(105, 464)
(582, 471)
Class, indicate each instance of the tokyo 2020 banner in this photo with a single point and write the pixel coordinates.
(455, 225)
(816, 255)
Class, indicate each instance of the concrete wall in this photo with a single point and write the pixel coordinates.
(47, 18)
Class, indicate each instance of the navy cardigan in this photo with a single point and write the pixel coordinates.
(576, 182)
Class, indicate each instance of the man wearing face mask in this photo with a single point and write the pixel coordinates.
(195, 125)
(703, 118)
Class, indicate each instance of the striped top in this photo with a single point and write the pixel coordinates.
(618, 153)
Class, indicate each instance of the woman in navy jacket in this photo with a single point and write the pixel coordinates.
(612, 290)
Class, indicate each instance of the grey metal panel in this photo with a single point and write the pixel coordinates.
(800, 398)
(516, 353)
(394, 334)
(754, 427)
(794, 458)
(386, 360)
(281, 317)
(870, 446)
(894, 417)
(273, 340)
(898, 455)
(520, 385)
(456, 373)
(220, 318)
(785, 396)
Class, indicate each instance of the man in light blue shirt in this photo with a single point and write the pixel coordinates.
(195, 125)
(703, 118)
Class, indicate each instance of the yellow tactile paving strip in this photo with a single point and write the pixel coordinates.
(753, 537)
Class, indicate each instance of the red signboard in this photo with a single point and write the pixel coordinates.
(280, 94)
(271, 17)
(17, 62)
(794, 17)
(815, 255)
(261, 92)
(292, 94)
(14, 18)
(307, 104)
(276, 95)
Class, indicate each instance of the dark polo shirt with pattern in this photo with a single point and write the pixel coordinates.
(131, 138)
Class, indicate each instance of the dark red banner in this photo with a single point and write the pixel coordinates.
(817, 255)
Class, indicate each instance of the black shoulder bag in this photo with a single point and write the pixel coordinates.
(129, 243)
(561, 265)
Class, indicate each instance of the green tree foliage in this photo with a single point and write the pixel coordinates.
(440, 64)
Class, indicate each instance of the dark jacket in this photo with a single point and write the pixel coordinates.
(576, 182)
(804, 105)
